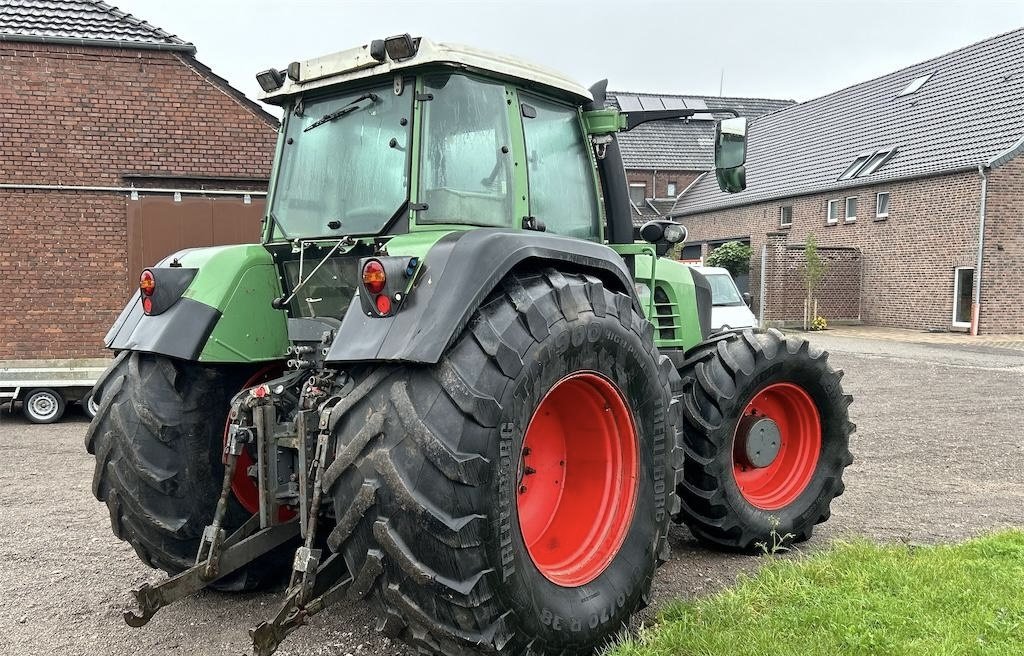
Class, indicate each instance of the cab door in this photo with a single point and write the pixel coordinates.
(561, 180)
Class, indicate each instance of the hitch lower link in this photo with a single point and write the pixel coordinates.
(313, 585)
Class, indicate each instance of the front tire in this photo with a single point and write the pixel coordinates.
(767, 436)
(431, 463)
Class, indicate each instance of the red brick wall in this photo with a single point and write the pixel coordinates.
(908, 259)
(657, 181)
(94, 117)
(838, 293)
(1002, 272)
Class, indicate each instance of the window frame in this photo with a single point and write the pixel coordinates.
(638, 185)
(829, 218)
(671, 190)
(880, 216)
(956, 295)
(846, 209)
(782, 212)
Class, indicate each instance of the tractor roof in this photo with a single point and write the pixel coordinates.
(356, 64)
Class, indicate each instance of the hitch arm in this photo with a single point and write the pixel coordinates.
(239, 550)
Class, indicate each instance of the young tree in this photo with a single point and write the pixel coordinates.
(732, 256)
(814, 271)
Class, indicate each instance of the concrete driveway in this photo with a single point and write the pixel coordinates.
(938, 453)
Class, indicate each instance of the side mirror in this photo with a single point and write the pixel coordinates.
(731, 154)
(746, 298)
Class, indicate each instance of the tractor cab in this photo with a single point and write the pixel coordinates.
(410, 139)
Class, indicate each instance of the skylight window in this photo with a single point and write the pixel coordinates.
(915, 85)
(867, 163)
(876, 162)
(857, 164)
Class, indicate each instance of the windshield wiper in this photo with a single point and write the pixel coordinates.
(347, 109)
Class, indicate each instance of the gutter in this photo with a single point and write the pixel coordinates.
(104, 43)
(136, 190)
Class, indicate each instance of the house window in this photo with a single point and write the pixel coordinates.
(851, 209)
(637, 192)
(785, 216)
(853, 168)
(963, 287)
(833, 211)
(867, 163)
(876, 161)
(915, 85)
(670, 189)
(882, 205)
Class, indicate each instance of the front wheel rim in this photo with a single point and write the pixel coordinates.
(43, 406)
(577, 479)
(783, 480)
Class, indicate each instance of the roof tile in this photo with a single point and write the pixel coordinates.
(77, 20)
(970, 111)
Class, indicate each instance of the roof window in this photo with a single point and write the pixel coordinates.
(915, 85)
(867, 163)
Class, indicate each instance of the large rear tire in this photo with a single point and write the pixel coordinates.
(767, 437)
(158, 438)
(440, 475)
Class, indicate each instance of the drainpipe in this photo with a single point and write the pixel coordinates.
(976, 305)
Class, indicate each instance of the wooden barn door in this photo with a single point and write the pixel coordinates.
(159, 225)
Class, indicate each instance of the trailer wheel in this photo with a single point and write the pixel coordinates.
(767, 436)
(515, 497)
(89, 405)
(158, 438)
(43, 405)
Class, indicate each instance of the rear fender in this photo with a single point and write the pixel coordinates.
(458, 272)
(223, 315)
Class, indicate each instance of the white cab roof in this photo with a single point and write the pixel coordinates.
(356, 63)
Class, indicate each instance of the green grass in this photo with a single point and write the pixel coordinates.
(858, 598)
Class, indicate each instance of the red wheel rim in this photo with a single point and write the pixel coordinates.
(578, 479)
(246, 492)
(779, 484)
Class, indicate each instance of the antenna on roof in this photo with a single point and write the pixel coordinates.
(721, 82)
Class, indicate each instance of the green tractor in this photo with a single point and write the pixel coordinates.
(450, 381)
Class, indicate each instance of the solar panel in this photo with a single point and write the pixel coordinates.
(651, 102)
(673, 103)
(629, 103)
(695, 103)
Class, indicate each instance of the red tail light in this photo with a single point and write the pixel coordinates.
(147, 283)
(147, 305)
(383, 304)
(374, 277)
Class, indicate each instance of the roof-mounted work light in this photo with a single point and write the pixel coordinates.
(401, 47)
(270, 79)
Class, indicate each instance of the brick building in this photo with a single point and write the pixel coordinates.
(116, 147)
(662, 158)
(895, 178)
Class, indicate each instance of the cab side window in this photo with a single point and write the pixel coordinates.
(562, 191)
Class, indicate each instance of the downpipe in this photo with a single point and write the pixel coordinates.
(976, 304)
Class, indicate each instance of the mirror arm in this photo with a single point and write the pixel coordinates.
(634, 119)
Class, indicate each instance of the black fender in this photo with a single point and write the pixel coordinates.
(460, 270)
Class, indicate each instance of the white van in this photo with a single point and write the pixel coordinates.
(729, 308)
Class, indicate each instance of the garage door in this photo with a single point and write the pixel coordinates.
(159, 225)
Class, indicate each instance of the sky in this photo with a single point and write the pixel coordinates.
(795, 50)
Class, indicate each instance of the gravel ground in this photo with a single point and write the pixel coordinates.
(937, 452)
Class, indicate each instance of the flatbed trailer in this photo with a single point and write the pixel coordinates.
(44, 388)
